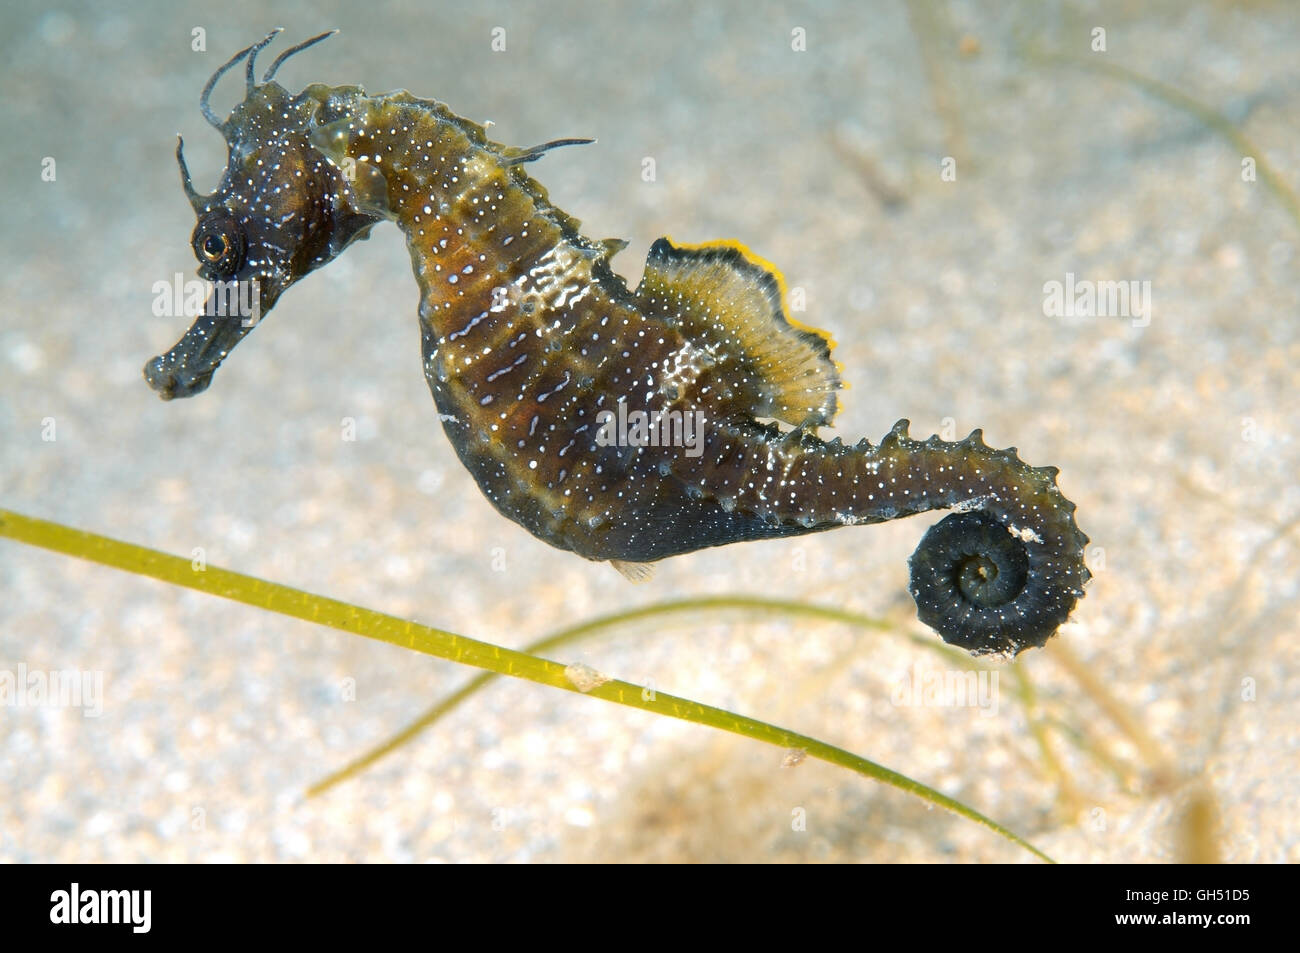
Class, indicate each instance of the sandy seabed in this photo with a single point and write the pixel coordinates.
(1167, 704)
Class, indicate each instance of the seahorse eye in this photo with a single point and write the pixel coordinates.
(214, 246)
(219, 245)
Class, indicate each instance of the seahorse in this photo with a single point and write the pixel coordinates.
(626, 425)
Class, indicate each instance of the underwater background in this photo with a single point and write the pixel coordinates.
(922, 173)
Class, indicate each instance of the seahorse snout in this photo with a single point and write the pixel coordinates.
(187, 368)
(170, 382)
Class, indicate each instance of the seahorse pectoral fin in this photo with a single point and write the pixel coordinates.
(732, 302)
(634, 572)
(369, 188)
(364, 184)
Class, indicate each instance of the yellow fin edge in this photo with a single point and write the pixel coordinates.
(758, 260)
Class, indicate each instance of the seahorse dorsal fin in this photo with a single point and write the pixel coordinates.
(724, 295)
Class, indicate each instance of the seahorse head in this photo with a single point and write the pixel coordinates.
(281, 210)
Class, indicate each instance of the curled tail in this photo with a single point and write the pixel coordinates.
(999, 574)
(1005, 572)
